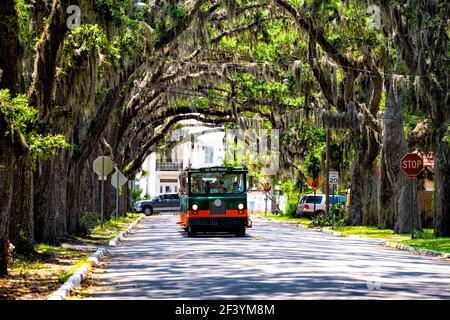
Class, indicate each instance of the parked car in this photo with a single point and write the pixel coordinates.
(306, 204)
(159, 203)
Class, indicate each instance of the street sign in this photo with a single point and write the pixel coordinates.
(118, 179)
(315, 183)
(102, 166)
(108, 165)
(411, 164)
(334, 177)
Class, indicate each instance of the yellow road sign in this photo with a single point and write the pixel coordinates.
(315, 183)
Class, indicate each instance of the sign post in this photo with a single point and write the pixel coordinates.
(412, 164)
(102, 166)
(267, 187)
(334, 179)
(118, 180)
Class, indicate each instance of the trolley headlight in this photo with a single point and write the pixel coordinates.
(195, 207)
(240, 206)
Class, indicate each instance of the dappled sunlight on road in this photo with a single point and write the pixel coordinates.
(159, 261)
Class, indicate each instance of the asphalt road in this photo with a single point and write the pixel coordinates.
(274, 261)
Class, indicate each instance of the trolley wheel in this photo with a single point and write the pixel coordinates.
(240, 232)
(192, 232)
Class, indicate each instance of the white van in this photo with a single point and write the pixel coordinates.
(306, 204)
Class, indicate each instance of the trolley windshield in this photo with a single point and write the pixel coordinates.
(216, 183)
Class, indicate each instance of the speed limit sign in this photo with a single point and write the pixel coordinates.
(334, 177)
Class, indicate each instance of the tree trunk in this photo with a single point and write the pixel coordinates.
(394, 148)
(442, 190)
(370, 209)
(385, 197)
(363, 192)
(44, 221)
(50, 199)
(74, 192)
(21, 227)
(7, 167)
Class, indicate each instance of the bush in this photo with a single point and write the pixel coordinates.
(326, 220)
(136, 194)
(291, 206)
(88, 221)
(292, 198)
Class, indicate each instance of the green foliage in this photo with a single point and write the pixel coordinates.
(303, 221)
(446, 137)
(326, 220)
(22, 234)
(88, 221)
(24, 15)
(429, 243)
(21, 119)
(93, 39)
(16, 111)
(45, 146)
(141, 13)
(291, 206)
(170, 18)
(128, 167)
(313, 165)
(85, 39)
(112, 10)
(136, 194)
(293, 196)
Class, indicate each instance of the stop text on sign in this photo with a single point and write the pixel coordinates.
(411, 164)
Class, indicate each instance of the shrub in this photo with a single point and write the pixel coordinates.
(291, 206)
(326, 220)
(136, 194)
(88, 221)
(293, 196)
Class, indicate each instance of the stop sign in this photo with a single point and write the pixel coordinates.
(411, 164)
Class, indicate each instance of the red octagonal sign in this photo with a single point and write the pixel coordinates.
(411, 164)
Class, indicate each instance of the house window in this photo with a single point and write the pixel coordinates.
(209, 154)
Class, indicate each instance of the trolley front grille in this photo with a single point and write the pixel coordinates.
(217, 221)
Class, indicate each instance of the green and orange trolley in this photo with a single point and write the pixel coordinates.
(214, 199)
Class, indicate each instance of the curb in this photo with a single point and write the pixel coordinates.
(121, 236)
(422, 252)
(75, 280)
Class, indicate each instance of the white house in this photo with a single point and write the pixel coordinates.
(199, 146)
